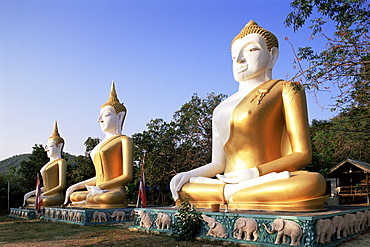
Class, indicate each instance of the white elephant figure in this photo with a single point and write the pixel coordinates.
(145, 220)
(216, 229)
(324, 231)
(64, 215)
(46, 213)
(57, 214)
(360, 221)
(244, 228)
(99, 217)
(119, 215)
(70, 215)
(163, 221)
(367, 218)
(350, 220)
(286, 228)
(78, 216)
(339, 226)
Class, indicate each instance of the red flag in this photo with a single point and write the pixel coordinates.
(142, 193)
(38, 202)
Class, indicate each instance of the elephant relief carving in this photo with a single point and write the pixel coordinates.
(367, 218)
(119, 215)
(78, 216)
(216, 229)
(350, 220)
(46, 213)
(145, 220)
(360, 221)
(64, 215)
(286, 228)
(324, 231)
(245, 228)
(57, 214)
(70, 215)
(340, 228)
(99, 217)
(163, 221)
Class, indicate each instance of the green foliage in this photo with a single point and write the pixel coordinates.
(344, 137)
(14, 161)
(180, 145)
(187, 222)
(339, 68)
(90, 143)
(29, 168)
(82, 167)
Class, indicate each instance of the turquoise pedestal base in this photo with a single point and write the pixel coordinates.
(307, 221)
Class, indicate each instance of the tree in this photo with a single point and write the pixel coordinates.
(29, 168)
(180, 145)
(340, 66)
(82, 167)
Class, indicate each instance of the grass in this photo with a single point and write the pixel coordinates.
(18, 232)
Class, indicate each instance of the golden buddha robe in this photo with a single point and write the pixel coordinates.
(269, 131)
(54, 181)
(113, 161)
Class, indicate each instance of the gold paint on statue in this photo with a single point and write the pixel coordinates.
(269, 132)
(53, 176)
(113, 161)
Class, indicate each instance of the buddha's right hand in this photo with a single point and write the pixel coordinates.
(177, 182)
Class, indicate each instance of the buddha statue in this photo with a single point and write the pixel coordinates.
(113, 162)
(53, 174)
(260, 139)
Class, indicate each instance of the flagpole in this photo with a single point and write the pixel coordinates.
(142, 180)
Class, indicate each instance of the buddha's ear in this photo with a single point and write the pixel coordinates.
(121, 116)
(60, 146)
(274, 56)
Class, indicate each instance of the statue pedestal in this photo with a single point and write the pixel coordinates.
(89, 216)
(25, 213)
(306, 220)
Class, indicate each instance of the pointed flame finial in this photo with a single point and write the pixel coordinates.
(114, 102)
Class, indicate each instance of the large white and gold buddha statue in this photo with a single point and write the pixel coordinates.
(53, 174)
(113, 161)
(260, 139)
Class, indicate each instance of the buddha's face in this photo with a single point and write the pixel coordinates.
(250, 56)
(108, 120)
(51, 148)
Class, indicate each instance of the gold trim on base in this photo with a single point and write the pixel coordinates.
(98, 206)
(315, 204)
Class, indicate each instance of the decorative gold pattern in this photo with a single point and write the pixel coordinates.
(252, 27)
(114, 102)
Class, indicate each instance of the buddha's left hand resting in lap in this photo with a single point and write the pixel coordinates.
(113, 161)
(53, 174)
(260, 139)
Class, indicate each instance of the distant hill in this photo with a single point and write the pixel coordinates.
(12, 161)
(17, 159)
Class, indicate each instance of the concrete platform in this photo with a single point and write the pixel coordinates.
(24, 213)
(306, 220)
(88, 216)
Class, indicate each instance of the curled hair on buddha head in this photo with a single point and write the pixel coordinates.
(116, 105)
(252, 27)
(55, 136)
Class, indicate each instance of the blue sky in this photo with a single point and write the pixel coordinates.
(58, 58)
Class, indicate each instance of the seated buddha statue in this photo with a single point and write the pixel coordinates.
(113, 162)
(53, 174)
(260, 139)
